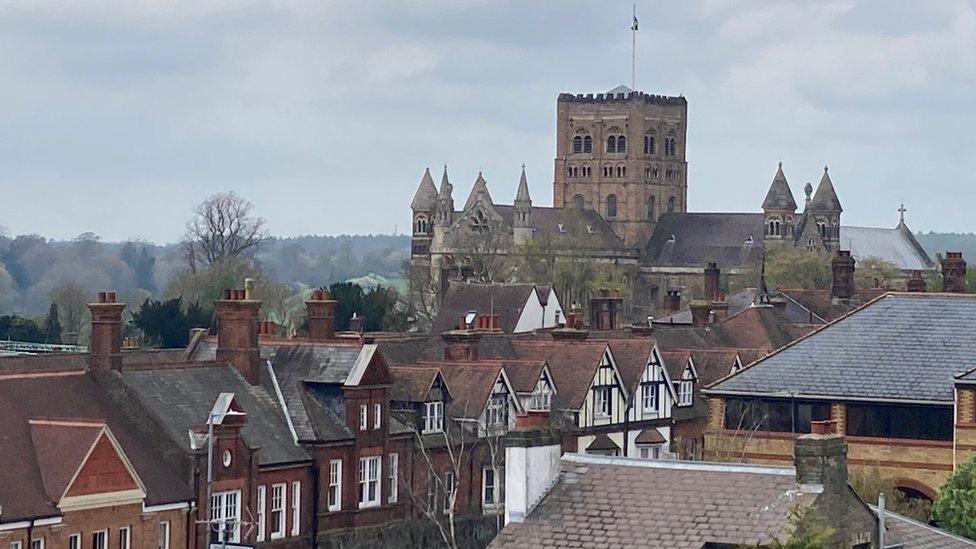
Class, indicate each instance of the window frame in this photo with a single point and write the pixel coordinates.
(37, 543)
(125, 537)
(601, 395)
(448, 488)
(279, 492)
(335, 481)
(363, 412)
(262, 513)
(377, 415)
(492, 487)
(610, 205)
(650, 451)
(369, 477)
(393, 474)
(296, 507)
(74, 541)
(162, 534)
(650, 389)
(496, 411)
(103, 534)
(686, 390)
(433, 417)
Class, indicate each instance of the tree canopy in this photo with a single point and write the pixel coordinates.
(955, 506)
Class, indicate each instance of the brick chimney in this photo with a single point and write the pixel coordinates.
(700, 311)
(357, 324)
(821, 457)
(842, 268)
(105, 347)
(712, 274)
(237, 333)
(321, 316)
(461, 345)
(915, 282)
(954, 273)
(672, 302)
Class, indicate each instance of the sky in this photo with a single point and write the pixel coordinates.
(119, 117)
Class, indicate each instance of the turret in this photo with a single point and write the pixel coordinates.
(522, 223)
(779, 208)
(423, 205)
(445, 202)
(824, 210)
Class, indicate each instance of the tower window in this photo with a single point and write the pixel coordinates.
(648, 144)
(578, 144)
(671, 203)
(607, 171)
(611, 206)
(670, 148)
(578, 202)
(587, 144)
(621, 171)
(420, 227)
(612, 144)
(621, 144)
(650, 207)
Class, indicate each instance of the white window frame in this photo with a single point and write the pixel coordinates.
(15, 544)
(363, 410)
(262, 512)
(369, 478)
(74, 541)
(487, 502)
(219, 505)
(37, 543)
(104, 536)
(448, 488)
(649, 397)
(685, 392)
(296, 507)
(434, 416)
(377, 415)
(650, 451)
(335, 481)
(278, 496)
(162, 535)
(601, 402)
(125, 537)
(497, 410)
(393, 466)
(542, 396)
(431, 492)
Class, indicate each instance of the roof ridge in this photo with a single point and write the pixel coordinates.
(713, 466)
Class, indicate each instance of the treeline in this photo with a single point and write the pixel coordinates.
(941, 242)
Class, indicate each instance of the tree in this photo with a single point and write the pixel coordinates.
(794, 267)
(875, 272)
(955, 506)
(72, 302)
(15, 328)
(141, 264)
(806, 529)
(222, 226)
(207, 285)
(164, 323)
(52, 326)
(869, 484)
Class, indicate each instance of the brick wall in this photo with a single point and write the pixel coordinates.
(143, 528)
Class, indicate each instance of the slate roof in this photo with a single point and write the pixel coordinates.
(572, 364)
(587, 228)
(470, 384)
(504, 300)
(412, 348)
(899, 347)
(625, 502)
(898, 245)
(910, 533)
(77, 396)
(426, 195)
(412, 383)
(821, 303)
(182, 397)
(779, 196)
(825, 199)
(703, 237)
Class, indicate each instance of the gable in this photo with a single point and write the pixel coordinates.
(104, 471)
(371, 368)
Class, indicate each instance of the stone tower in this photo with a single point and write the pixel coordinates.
(779, 210)
(423, 206)
(522, 221)
(622, 153)
(824, 213)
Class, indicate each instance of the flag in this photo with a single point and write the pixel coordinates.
(634, 26)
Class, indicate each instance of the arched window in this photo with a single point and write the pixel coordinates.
(479, 222)
(671, 203)
(578, 201)
(612, 144)
(648, 144)
(621, 144)
(611, 206)
(420, 227)
(607, 171)
(587, 144)
(621, 171)
(670, 148)
(650, 207)
(578, 144)
(823, 229)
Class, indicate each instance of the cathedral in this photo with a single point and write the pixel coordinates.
(620, 196)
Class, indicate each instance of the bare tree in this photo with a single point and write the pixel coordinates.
(222, 226)
(72, 302)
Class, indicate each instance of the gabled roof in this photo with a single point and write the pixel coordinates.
(573, 365)
(731, 239)
(471, 384)
(825, 199)
(413, 383)
(505, 300)
(480, 189)
(426, 196)
(585, 229)
(900, 347)
(779, 197)
(632, 357)
(897, 246)
(524, 374)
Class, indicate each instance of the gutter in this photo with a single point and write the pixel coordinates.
(841, 398)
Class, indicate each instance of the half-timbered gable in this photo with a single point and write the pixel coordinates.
(533, 383)
(606, 401)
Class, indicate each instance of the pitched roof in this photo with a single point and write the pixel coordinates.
(731, 239)
(820, 302)
(524, 374)
(426, 196)
(446, 187)
(78, 397)
(471, 384)
(182, 397)
(779, 196)
(479, 189)
(572, 365)
(650, 435)
(60, 449)
(911, 533)
(504, 300)
(412, 383)
(623, 502)
(585, 229)
(825, 199)
(897, 246)
(522, 195)
(898, 347)
(631, 355)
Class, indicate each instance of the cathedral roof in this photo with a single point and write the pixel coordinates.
(897, 246)
(480, 188)
(698, 238)
(426, 194)
(825, 199)
(523, 189)
(779, 197)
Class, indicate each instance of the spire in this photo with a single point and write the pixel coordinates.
(779, 197)
(426, 197)
(480, 188)
(762, 297)
(825, 199)
(523, 189)
(446, 188)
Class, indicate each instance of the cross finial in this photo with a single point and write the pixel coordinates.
(523, 166)
(781, 164)
(901, 212)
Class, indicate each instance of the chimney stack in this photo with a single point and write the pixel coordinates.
(461, 345)
(842, 268)
(105, 348)
(672, 302)
(700, 311)
(712, 274)
(321, 316)
(237, 332)
(821, 457)
(915, 282)
(356, 324)
(954, 273)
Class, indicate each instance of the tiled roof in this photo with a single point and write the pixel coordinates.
(68, 396)
(900, 346)
(731, 239)
(572, 364)
(411, 348)
(910, 533)
(524, 374)
(470, 384)
(504, 300)
(631, 356)
(623, 502)
(411, 383)
(181, 398)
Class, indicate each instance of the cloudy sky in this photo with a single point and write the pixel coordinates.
(118, 117)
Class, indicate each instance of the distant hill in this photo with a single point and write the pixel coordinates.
(954, 242)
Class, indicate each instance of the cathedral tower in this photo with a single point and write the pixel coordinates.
(622, 154)
(522, 222)
(779, 209)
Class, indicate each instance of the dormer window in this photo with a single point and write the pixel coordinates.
(497, 413)
(433, 417)
(560, 227)
(649, 397)
(601, 402)
(685, 390)
(541, 396)
(672, 239)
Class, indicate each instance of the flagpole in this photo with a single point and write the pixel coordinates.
(633, 52)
